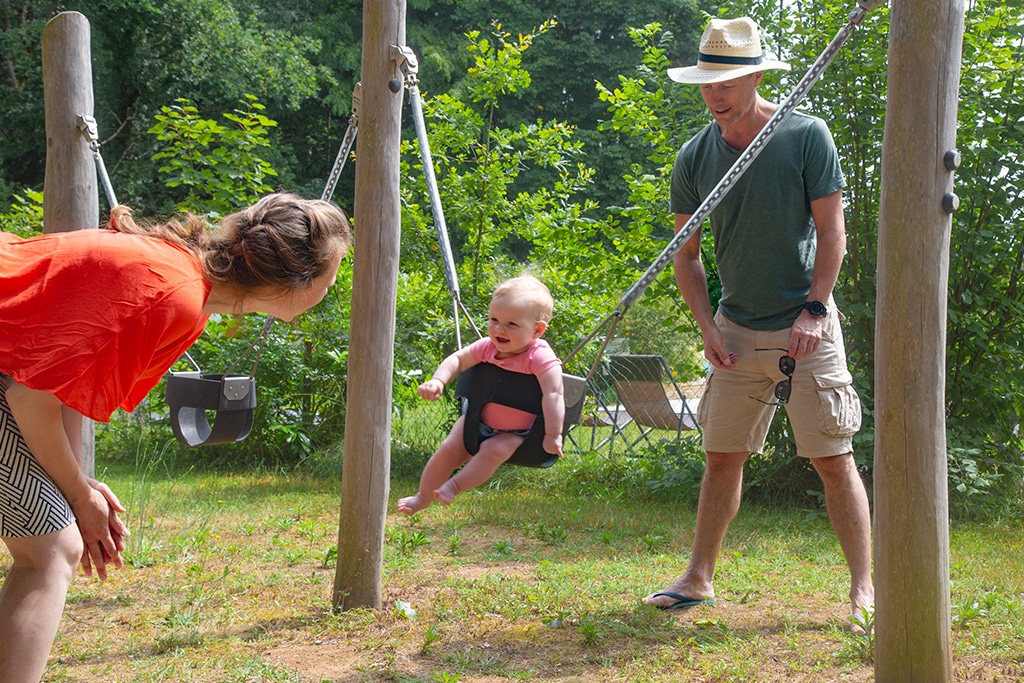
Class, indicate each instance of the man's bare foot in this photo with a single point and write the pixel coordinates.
(413, 504)
(446, 494)
(679, 594)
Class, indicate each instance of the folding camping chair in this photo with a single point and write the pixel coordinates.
(650, 394)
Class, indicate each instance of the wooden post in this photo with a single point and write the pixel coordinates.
(70, 193)
(912, 617)
(377, 226)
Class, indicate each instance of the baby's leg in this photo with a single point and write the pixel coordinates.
(448, 456)
(481, 467)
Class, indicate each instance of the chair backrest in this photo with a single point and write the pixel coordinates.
(641, 381)
(487, 383)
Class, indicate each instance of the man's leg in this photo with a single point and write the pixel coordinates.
(846, 500)
(719, 502)
(32, 600)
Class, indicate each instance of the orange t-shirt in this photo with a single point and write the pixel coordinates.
(96, 317)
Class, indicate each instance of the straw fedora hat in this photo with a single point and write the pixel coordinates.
(729, 48)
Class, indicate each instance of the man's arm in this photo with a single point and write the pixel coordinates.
(830, 225)
(693, 286)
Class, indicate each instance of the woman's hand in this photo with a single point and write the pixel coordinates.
(117, 530)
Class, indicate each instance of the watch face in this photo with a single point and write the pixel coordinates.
(816, 308)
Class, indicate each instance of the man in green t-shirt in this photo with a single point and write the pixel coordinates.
(779, 239)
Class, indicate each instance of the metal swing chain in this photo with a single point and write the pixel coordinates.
(87, 124)
(259, 351)
(346, 143)
(409, 67)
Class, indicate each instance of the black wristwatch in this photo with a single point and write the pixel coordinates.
(816, 308)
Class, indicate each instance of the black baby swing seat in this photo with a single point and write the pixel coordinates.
(487, 383)
(191, 396)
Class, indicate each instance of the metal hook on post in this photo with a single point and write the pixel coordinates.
(87, 124)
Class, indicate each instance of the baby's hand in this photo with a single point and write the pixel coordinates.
(431, 389)
(553, 444)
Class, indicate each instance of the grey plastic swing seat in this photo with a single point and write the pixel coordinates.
(192, 396)
(487, 383)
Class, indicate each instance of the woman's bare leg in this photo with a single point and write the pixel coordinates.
(32, 600)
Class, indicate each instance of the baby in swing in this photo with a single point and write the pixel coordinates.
(519, 314)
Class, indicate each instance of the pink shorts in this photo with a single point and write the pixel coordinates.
(824, 410)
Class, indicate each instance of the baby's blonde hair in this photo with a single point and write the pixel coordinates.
(527, 291)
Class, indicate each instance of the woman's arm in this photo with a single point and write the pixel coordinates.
(40, 417)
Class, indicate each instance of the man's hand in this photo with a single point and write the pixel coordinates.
(805, 335)
(714, 349)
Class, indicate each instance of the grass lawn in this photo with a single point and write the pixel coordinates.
(538, 576)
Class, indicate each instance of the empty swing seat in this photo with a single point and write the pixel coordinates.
(192, 396)
(487, 383)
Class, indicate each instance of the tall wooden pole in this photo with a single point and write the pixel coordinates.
(377, 218)
(912, 617)
(70, 193)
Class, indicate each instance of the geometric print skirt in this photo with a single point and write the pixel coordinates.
(30, 503)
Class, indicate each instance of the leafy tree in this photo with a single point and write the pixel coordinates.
(145, 54)
(25, 217)
(497, 227)
(985, 350)
(216, 165)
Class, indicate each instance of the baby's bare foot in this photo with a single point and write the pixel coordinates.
(413, 504)
(446, 494)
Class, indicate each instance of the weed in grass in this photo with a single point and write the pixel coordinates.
(551, 535)
(590, 631)
(330, 556)
(430, 636)
(444, 677)
(407, 542)
(653, 541)
(503, 548)
(556, 621)
(454, 543)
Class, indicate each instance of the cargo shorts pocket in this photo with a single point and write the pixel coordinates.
(839, 404)
(704, 406)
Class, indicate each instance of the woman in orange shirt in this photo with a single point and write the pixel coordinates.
(90, 321)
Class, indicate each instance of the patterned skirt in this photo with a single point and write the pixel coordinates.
(30, 503)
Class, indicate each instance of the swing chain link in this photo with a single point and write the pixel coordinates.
(346, 143)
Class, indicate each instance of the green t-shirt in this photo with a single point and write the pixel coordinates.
(763, 232)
